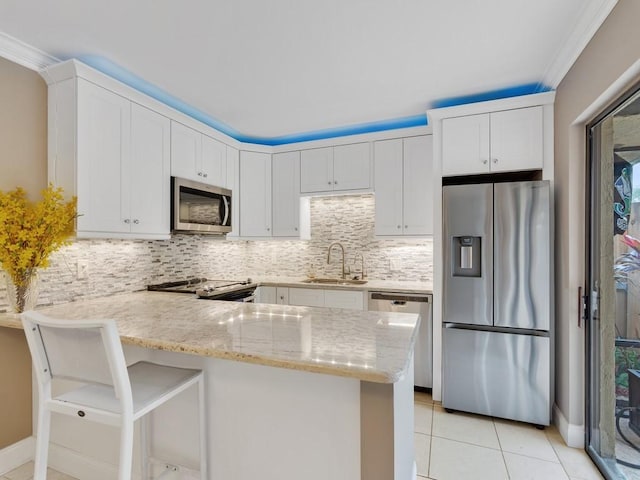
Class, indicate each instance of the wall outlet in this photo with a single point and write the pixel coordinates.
(83, 269)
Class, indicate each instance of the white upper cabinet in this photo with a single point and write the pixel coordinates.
(343, 167)
(103, 157)
(214, 162)
(233, 184)
(510, 140)
(352, 166)
(286, 194)
(316, 170)
(255, 194)
(122, 166)
(198, 157)
(186, 152)
(150, 171)
(403, 186)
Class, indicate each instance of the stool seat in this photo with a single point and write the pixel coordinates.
(151, 385)
(90, 352)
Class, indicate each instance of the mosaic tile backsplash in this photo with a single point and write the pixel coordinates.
(118, 266)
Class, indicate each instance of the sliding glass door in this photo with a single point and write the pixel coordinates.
(613, 326)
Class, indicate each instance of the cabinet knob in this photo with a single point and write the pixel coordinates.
(495, 160)
(136, 221)
(399, 226)
(126, 220)
(295, 228)
(329, 183)
(335, 182)
(205, 175)
(485, 161)
(199, 174)
(281, 297)
(406, 226)
(268, 229)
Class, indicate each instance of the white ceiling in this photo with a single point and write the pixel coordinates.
(281, 67)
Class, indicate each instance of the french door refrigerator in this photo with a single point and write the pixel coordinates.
(497, 305)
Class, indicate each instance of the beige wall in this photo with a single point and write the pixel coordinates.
(611, 52)
(23, 156)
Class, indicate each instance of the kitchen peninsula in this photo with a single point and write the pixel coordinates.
(292, 392)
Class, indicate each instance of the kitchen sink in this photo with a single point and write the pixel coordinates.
(334, 281)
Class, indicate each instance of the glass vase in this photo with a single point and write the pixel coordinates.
(25, 296)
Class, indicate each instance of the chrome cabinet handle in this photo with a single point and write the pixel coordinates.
(406, 226)
(335, 182)
(126, 220)
(199, 174)
(136, 221)
(484, 161)
(268, 229)
(205, 175)
(399, 226)
(329, 182)
(495, 160)
(295, 229)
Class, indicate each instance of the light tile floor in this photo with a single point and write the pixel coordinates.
(459, 446)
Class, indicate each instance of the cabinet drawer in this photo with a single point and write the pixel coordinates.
(308, 297)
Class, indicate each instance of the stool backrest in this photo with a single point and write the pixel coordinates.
(83, 350)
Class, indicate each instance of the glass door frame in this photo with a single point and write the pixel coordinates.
(588, 304)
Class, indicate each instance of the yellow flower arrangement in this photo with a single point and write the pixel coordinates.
(30, 232)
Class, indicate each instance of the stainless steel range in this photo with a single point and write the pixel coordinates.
(230, 290)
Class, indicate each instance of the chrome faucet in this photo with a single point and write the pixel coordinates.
(363, 272)
(329, 256)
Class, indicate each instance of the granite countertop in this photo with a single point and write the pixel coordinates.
(371, 285)
(369, 346)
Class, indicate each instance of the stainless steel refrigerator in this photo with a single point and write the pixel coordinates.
(497, 305)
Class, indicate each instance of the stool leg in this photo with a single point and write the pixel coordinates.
(42, 444)
(144, 448)
(203, 429)
(126, 448)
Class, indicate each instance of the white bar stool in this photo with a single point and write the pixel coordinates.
(90, 351)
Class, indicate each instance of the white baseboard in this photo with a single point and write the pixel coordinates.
(77, 465)
(17, 454)
(572, 434)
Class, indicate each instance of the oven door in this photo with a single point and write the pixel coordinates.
(245, 295)
(199, 208)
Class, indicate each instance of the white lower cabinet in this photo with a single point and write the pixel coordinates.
(311, 297)
(344, 299)
(265, 294)
(317, 297)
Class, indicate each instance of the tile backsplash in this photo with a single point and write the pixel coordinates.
(118, 266)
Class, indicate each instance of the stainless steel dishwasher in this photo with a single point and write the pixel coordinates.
(408, 303)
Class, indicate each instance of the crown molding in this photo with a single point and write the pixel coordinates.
(23, 54)
(593, 16)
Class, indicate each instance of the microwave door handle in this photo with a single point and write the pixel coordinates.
(226, 210)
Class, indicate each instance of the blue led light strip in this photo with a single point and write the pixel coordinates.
(115, 71)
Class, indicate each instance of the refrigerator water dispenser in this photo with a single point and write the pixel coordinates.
(466, 256)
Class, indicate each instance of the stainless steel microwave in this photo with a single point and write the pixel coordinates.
(199, 208)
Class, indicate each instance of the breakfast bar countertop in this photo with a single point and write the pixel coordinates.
(369, 346)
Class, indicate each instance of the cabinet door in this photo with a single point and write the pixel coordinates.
(214, 162)
(186, 152)
(352, 167)
(104, 133)
(233, 184)
(465, 145)
(418, 186)
(516, 140)
(150, 171)
(265, 294)
(282, 295)
(344, 299)
(286, 194)
(387, 158)
(306, 297)
(255, 194)
(316, 170)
